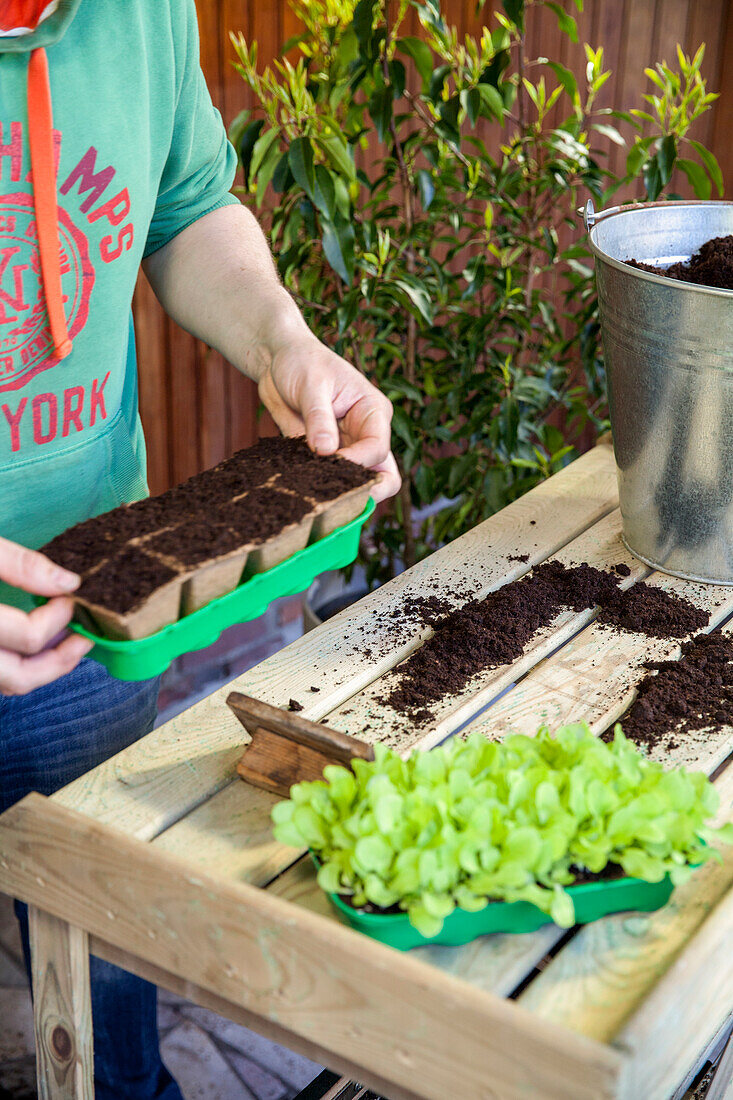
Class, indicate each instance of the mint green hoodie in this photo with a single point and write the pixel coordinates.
(141, 153)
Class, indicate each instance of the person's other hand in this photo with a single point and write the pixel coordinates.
(30, 654)
(310, 390)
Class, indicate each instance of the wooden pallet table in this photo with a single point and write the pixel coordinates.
(163, 861)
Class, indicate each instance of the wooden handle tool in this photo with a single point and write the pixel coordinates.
(286, 748)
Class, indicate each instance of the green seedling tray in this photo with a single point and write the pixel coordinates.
(591, 899)
(147, 657)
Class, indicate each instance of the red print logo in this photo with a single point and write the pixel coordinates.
(25, 338)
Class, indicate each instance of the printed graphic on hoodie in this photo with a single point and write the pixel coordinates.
(26, 347)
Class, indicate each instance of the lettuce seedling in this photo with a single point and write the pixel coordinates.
(473, 821)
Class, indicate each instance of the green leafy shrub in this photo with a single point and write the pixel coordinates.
(421, 196)
(476, 820)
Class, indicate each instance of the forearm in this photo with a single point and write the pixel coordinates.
(217, 280)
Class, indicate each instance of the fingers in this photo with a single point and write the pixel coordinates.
(389, 481)
(19, 675)
(29, 633)
(34, 572)
(367, 423)
(316, 408)
(336, 404)
(287, 421)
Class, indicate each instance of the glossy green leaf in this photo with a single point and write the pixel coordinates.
(566, 78)
(697, 176)
(665, 157)
(711, 164)
(426, 187)
(337, 151)
(300, 157)
(324, 192)
(247, 143)
(338, 246)
(565, 21)
(421, 55)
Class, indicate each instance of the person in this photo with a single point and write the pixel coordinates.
(112, 156)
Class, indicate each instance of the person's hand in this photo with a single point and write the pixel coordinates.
(30, 654)
(309, 389)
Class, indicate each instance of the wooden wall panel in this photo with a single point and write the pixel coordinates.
(196, 408)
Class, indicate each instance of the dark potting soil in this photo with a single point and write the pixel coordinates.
(263, 513)
(643, 609)
(195, 541)
(207, 519)
(518, 557)
(693, 693)
(494, 631)
(82, 547)
(712, 265)
(206, 490)
(319, 477)
(125, 580)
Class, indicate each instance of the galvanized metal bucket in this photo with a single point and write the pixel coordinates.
(669, 360)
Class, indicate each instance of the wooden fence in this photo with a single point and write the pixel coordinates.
(196, 408)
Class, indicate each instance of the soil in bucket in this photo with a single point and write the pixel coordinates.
(712, 265)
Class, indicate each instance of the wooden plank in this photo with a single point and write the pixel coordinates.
(152, 383)
(664, 1038)
(707, 24)
(723, 124)
(598, 980)
(721, 1086)
(227, 832)
(369, 717)
(427, 1031)
(571, 686)
(271, 1030)
(62, 1008)
(183, 432)
(496, 964)
(594, 677)
(211, 414)
(156, 781)
(225, 827)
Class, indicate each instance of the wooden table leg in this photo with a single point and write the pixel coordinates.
(62, 1008)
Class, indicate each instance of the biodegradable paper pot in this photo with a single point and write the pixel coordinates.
(591, 899)
(147, 657)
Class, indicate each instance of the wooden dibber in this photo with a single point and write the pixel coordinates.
(286, 748)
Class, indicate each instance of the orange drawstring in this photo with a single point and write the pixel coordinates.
(43, 168)
(21, 13)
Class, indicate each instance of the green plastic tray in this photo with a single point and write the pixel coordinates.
(147, 657)
(591, 899)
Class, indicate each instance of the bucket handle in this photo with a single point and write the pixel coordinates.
(590, 216)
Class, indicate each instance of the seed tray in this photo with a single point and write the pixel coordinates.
(143, 658)
(591, 899)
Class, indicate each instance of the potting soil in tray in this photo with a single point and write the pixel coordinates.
(147, 657)
(145, 565)
(712, 265)
(592, 900)
(484, 634)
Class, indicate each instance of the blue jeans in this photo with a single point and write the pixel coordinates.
(47, 739)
